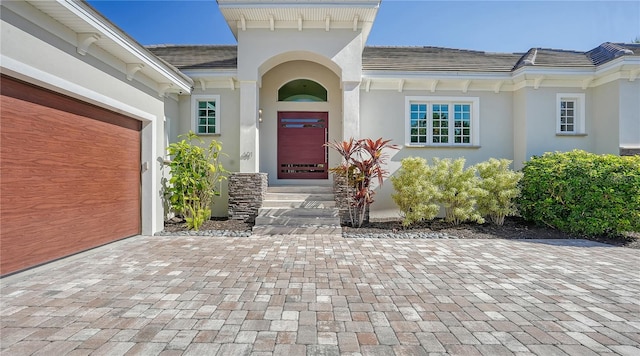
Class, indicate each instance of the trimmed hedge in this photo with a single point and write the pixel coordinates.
(582, 193)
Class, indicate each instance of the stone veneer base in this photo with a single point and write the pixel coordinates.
(246, 194)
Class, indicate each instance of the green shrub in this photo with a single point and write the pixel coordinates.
(582, 193)
(195, 179)
(458, 190)
(421, 188)
(414, 194)
(499, 186)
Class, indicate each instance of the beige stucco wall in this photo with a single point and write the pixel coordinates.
(271, 82)
(383, 115)
(39, 50)
(629, 113)
(541, 115)
(229, 112)
(605, 110)
(519, 128)
(260, 50)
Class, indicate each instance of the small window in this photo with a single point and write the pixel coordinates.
(302, 90)
(570, 114)
(206, 111)
(444, 121)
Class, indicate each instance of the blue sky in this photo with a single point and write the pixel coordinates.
(493, 26)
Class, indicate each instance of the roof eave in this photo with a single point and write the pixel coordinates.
(166, 73)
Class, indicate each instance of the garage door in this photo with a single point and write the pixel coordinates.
(69, 176)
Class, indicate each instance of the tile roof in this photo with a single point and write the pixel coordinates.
(415, 59)
(608, 51)
(198, 56)
(427, 59)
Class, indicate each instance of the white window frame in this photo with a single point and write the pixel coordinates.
(450, 100)
(579, 113)
(195, 99)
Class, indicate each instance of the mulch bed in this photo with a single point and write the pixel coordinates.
(513, 228)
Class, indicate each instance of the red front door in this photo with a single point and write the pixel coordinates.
(301, 136)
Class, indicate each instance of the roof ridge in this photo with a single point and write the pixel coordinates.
(439, 47)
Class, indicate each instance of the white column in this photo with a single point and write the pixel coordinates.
(350, 110)
(249, 160)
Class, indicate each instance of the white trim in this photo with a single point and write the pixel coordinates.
(579, 113)
(46, 80)
(194, 113)
(78, 9)
(475, 119)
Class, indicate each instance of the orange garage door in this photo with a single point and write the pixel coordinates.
(69, 176)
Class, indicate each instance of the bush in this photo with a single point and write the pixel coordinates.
(415, 197)
(582, 193)
(421, 187)
(362, 162)
(458, 190)
(196, 174)
(499, 186)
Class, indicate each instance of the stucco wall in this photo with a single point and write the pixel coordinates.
(271, 82)
(37, 49)
(541, 115)
(229, 112)
(630, 113)
(262, 49)
(519, 128)
(383, 115)
(605, 111)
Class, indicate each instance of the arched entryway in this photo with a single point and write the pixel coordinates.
(301, 104)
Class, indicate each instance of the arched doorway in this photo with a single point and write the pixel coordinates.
(301, 104)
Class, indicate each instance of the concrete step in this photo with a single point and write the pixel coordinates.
(298, 230)
(318, 204)
(298, 212)
(293, 221)
(304, 210)
(299, 196)
(325, 189)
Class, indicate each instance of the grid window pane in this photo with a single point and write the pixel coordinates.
(206, 117)
(439, 122)
(419, 119)
(462, 118)
(567, 115)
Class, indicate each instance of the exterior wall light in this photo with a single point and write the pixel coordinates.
(259, 115)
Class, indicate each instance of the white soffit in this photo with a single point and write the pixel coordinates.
(81, 19)
(299, 14)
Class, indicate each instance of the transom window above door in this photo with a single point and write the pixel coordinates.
(302, 90)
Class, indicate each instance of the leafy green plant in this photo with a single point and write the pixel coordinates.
(196, 174)
(415, 194)
(582, 193)
(499, 188)
(362, 164)
(458, 190)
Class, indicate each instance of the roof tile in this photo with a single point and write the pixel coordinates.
(415, 59)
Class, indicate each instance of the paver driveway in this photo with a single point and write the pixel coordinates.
(297, 295)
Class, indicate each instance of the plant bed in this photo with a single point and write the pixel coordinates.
(513, 228)
(215, 225)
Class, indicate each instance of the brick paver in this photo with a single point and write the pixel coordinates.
(299, 295)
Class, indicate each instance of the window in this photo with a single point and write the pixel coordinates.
(302, 90)
(570, 114)
(206, 111)
(448, 121)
